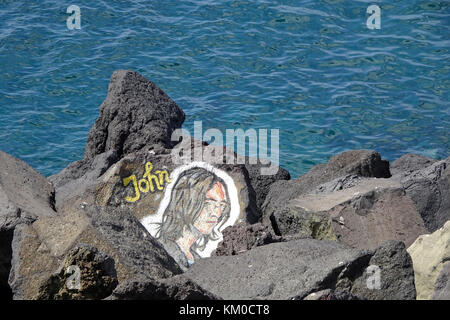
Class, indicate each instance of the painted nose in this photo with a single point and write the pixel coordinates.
(216, 212)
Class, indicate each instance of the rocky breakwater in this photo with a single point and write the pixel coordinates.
(140, 217)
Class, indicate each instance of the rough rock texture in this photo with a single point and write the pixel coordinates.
(175, 288)
(6, 238)
(362, 213)
(410, 163)
(329, 294)
(294, 269)
(25, 195)
(364, 163)
(291, 220)
(261, 183)
(97, 276)
(134, 114)
(395, 271)
(79, 175)
(429, 254)
(358, 210)
(39, 249)
(338, 184)
(240, 238)
(442, 286)
(429, 188)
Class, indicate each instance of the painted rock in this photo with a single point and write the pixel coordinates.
(185, 206)
(183, 192)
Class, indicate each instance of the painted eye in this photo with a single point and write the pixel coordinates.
(213, 205)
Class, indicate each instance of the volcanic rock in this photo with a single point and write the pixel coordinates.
(174, 288)
(295, 269)
(25, 196)
(86, 273)
(363, 163)
(442, 286)
(329, 294)
(240, 238)
(429, 187)
(134, 114)
(38, 250)
(261, 183)
(364, 214)
(409, 163)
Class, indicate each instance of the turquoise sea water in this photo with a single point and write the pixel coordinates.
(309, 68)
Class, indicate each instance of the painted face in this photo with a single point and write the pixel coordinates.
(213, 209)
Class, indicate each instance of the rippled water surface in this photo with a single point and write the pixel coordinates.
(310, 68)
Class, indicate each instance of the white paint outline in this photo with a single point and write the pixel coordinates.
(150, 221)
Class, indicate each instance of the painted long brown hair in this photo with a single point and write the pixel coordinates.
(186, 203)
